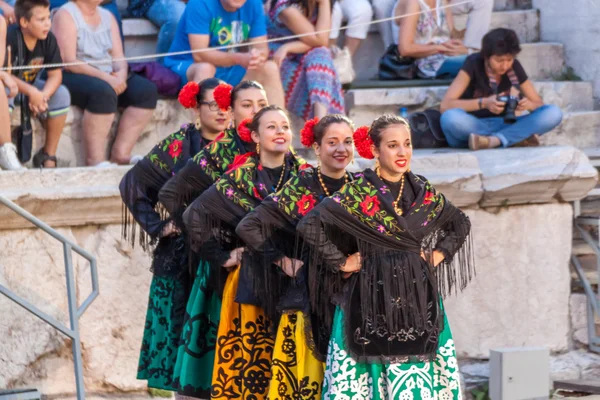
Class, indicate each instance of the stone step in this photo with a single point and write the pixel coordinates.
(540, 60)
(569, 96)
(579, 129)
(512, 4)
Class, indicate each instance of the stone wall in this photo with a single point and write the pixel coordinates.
(574, 24)
(520, 297)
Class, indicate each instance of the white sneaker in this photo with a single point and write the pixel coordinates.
(105, 164)
(135, 159)
(8, 158)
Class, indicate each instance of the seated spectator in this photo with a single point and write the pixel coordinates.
(214, 23)
(425, 35)
(8, 88)
(474, 115)
(479, 17)
(165, 14)
(99, 88)
(48, 99)
(110, 5)
(310, 80)
(355, 12)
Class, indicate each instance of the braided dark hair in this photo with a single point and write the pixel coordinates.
(384, 122)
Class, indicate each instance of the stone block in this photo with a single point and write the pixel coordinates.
(578, 311)
(63, 197)
(364, 105)
(111, 329)
(522, 176)
(542, 60)
(520, 296)
(579, 129)
(166, 119)
(525, 23)
(512, 4)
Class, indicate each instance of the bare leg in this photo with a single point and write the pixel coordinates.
(270, 77)
(132, 124)
(200, 71)
(353, 44)
(54, 128)
(320, 110)
(96, 128)
(4, 117)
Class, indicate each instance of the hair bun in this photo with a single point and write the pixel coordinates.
(307, 134)
(363, 142)
(187, 95)
(244, 131)
(222, 95)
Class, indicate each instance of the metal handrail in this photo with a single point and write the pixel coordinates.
(75, 311)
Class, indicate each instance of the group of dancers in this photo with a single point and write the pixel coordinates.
(274, 279)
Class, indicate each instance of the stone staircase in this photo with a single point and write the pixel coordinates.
(542, 61)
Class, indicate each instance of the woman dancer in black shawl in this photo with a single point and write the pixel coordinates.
(244, 101)
(139, 191)
(297, 368)
(244, 342)
(196, 353)
(390, 336)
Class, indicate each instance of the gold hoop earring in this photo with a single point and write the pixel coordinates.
(198, 124)
(258, 148)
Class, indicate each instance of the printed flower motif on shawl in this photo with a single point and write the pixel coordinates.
(370, 205)
(305, 204)
(175, 149)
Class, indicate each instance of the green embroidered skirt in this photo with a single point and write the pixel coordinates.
(196, 354)
(347, 379)
(164, 319)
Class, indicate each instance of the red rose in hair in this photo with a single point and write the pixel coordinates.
(244, 132)
(305, 204)
(363, 142)
(175, 148)
(304, 166)
(370, 205)
(187, 95)
(307, 134)
(256, 193)
(428, 198)
(238, 161)
(222, 95)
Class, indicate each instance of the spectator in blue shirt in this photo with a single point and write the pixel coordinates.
(165, 14)
(215, 23)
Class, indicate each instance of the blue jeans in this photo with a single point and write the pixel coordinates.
(451, 67)
(458, 124)
(166, 15)
(112, 7)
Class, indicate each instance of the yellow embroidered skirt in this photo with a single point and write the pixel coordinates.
(297, 374)
(244, 349)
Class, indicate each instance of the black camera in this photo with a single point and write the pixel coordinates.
(510, 108)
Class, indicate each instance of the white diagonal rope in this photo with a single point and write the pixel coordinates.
(226, 47)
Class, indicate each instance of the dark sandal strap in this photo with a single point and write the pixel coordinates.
(41, 157)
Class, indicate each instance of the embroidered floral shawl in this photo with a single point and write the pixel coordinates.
(393, 305)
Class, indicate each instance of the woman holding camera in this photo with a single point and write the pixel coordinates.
(485, 105)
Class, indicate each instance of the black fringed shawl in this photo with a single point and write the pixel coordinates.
(270, 231)
(139, 191)
(202, 171)
(393, 310)
(213, 216)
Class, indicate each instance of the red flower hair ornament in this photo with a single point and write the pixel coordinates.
(244, 132)
(222, 95)
(307, 134)
(363, 142)
(187, 95)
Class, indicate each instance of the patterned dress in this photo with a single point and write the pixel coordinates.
(307, 78)
(168, 291)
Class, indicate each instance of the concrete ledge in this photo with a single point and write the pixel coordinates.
(83, 196)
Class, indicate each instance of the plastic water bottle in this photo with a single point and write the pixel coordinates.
(404, 113)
